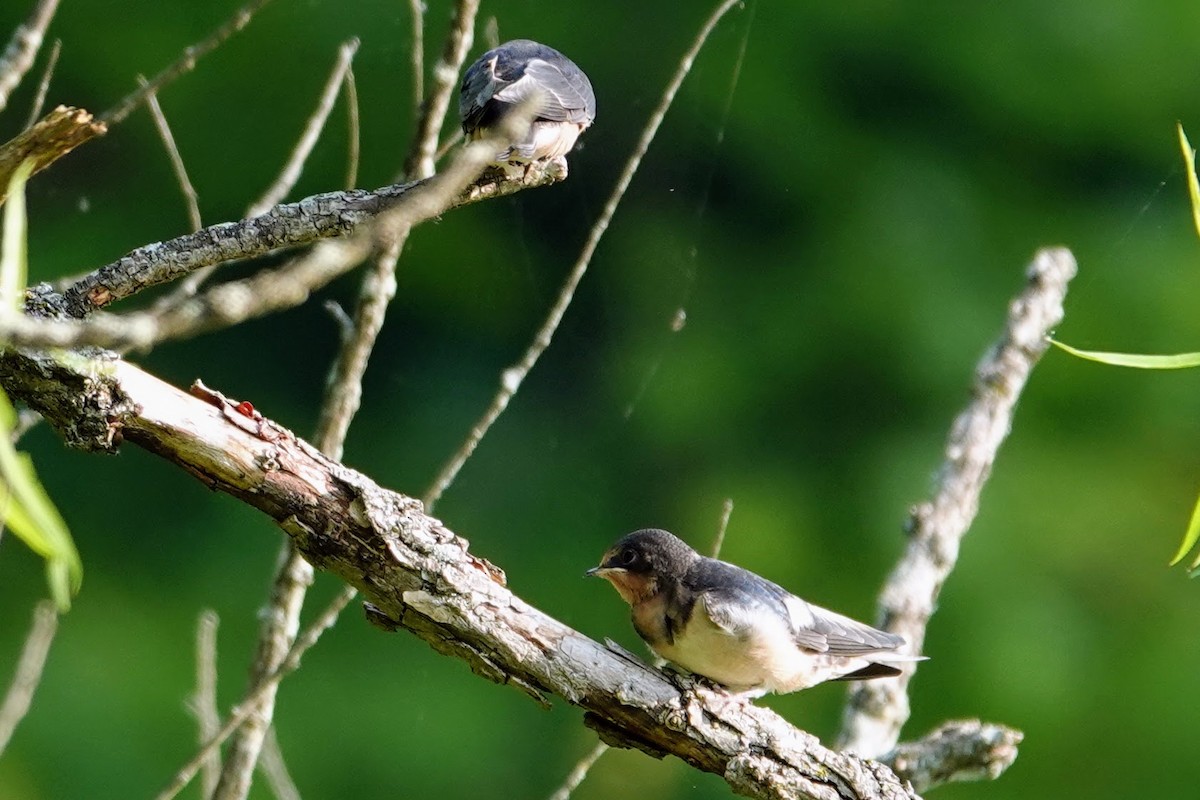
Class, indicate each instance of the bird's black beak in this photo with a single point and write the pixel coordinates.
(594, 572)
(601, 571)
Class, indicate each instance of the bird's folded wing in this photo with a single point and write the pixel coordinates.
(566, 96)
(837, 634)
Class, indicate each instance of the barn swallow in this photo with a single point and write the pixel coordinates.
(502, 78)
(733, 627)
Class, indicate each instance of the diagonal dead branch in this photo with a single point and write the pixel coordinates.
(321, 216)
(280, 624)
(51, 138)
(185, 63)
(421, 577)
(420, 161)
(29, 670)
(203, 704)
(23, 48)
(39, 97)
(274, 767)
(876, 710)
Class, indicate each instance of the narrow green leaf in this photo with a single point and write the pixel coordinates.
(1136, 360)
(1189, 160)
(31, 515)
(1190, 537)
(13, 255)
(27, 509)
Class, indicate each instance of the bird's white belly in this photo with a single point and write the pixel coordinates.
(766, 660)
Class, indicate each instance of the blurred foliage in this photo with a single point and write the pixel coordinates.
(1153, 361)
(844, 244)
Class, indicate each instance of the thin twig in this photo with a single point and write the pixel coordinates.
(312, 131)
(344, 391)
(511, 378)
(418, 55)
(281, 622)
(203, 704)
(245, 708)
(353, 131)
(491, 32)
(185, 63)
(876, 710)
(274, 768)
(579, 772)
(419, 163)
(448, 145)
(23, 48)
(289, 174)
(190, 198)
(726, 513)
(39, 97)
(29, 670)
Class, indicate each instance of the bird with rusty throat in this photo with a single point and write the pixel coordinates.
(506, 76)
(733, 627)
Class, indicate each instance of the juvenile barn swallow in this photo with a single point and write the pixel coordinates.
(731, 626)
(515, 71)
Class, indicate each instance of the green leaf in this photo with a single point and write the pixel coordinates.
(27, 509)
(1190, 538)
(1189, 160)
(12, 256)
(1136, 360)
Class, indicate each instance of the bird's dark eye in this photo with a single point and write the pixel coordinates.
(627, 557)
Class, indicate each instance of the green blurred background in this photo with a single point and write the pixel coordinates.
(844, 244)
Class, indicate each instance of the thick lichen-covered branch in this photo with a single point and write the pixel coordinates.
(420, 576)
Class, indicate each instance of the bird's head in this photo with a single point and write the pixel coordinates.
(640, 563)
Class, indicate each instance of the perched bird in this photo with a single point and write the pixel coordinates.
(738, 629)
(515, 71)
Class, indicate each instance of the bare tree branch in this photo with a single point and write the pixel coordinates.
(420, 576)
(307, 638)
(353, 131)
(190, 198)
(321, 216)
(263, 293)
(51, 138)
(204, 702)
(281, 619)
(420, 161)
(272, 764)
(963, 750)
(39, 97)
(580, 772)
(876, 710)
(312, 131)
(29, 670)
(23, 48)
(418, 55)
(185, 63)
